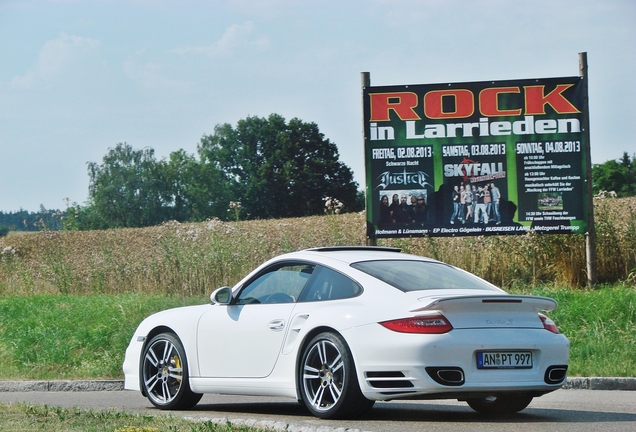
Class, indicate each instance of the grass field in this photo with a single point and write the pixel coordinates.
(73, 336)
(69, 301)
(50, 336)
(27, 418)
(601, 327)
(193, 259)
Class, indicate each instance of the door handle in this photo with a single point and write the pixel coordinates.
(277, 325)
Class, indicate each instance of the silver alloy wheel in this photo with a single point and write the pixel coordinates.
(324, 375)
(162, 371)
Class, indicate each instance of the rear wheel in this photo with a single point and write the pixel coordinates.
(164, 374)
(328, 383)
(500, 404)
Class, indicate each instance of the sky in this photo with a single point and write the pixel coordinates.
(78, 77)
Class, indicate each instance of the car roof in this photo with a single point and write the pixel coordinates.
(351, 254)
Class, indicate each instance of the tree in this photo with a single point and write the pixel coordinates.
(272, 168)
(276, 169)
(616, 175)
(194, 191)
(128, 189)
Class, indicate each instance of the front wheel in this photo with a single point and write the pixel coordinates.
(328, 383)
(500, 404)
(164, 374)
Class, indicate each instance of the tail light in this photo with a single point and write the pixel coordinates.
(432, 324)
(548, 324)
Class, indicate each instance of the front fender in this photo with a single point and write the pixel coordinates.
(180, 321)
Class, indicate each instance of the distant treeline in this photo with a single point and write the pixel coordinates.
(29, 221)
(616, 175)
(264, 168)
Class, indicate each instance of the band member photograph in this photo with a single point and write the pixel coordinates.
(469, 201)
(495, 197)
(385, 213)
(456, 197)
(419, 210)
(403, 211)
(481, 216)
(393, 208)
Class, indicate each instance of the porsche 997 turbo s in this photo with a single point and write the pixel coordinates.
(338, 328)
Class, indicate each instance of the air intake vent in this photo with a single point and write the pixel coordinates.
(391, 379)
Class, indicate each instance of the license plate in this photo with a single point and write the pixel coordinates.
(504, 360)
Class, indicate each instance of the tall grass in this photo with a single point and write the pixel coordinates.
(48, 336)
(193, 259)
(52, 336)
(601, 327)
(28, 417)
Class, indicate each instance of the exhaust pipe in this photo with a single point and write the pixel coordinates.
(555, 374)
(448, 376)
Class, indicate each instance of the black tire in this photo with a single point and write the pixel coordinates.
(327, 377)
(164, 374)
(500, 404)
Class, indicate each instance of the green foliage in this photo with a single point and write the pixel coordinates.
(195, 190)
(67, 337)
(278, 169)
(616, 176)
(31, 221)
(74, 336)
(273, 168)
(601, 327)
(26, 417)
(128, 188)
(83, 218)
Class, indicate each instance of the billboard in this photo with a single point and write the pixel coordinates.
(476, 158)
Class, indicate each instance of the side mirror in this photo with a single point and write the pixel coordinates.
(221, 295)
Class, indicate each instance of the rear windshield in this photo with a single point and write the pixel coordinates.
(407, 275)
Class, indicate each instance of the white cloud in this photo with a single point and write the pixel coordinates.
(54, 59)
(236, 36)
(151, 75)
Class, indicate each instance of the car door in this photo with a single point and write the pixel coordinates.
(243, 339)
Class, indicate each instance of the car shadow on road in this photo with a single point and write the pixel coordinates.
(458, 413)
(421, 412)
(292, 409)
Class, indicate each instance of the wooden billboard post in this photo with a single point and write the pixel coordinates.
(590, 235)
(365, 81)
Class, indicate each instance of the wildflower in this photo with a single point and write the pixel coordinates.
(332, 205)
(235, 207)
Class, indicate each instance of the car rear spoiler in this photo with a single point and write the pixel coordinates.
(499, 302)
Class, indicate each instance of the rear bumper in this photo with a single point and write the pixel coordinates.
(395, 365)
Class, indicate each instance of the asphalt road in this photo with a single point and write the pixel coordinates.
(563, 410)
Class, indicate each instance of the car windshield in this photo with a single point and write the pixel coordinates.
(410, 275)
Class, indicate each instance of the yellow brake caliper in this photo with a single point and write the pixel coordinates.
(177, 364)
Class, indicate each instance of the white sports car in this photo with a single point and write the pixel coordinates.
(339, 328)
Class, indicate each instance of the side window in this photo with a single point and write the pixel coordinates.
(328, 284)
(282, 283)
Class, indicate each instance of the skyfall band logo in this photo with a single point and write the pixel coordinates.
(470, 170)
(405, 178)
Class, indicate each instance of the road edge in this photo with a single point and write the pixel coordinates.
(575, 383)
